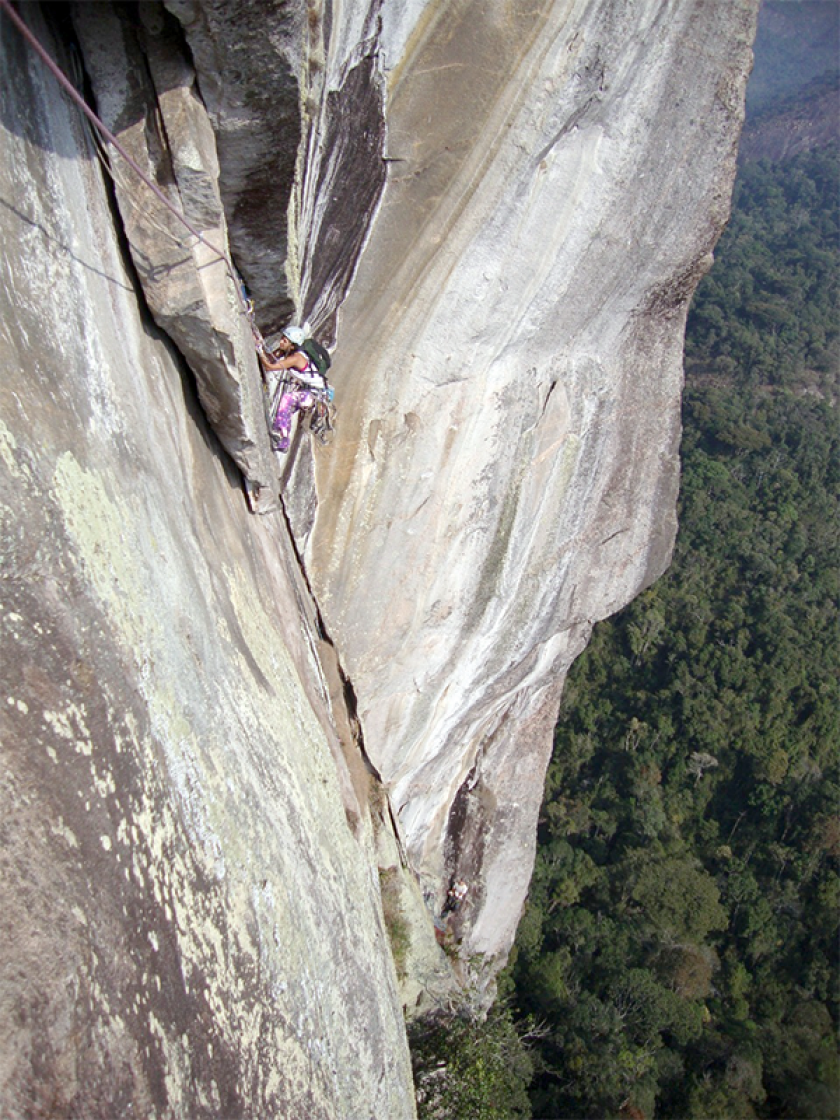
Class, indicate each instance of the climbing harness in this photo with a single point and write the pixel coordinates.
(321, 412)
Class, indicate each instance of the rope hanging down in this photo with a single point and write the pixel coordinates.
(75, 96)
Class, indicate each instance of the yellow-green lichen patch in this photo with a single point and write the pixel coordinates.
(8, 446)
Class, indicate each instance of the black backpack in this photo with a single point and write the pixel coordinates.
(317, 354)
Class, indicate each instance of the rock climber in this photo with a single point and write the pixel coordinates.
(297, 394)
(455, 896)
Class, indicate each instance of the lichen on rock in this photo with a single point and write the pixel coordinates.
(191, 925)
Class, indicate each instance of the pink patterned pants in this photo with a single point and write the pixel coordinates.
(293, 400)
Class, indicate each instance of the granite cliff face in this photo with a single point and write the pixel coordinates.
(509, 371)
(497, 213)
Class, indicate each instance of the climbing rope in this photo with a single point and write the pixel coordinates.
(77, 98)
(321, 422)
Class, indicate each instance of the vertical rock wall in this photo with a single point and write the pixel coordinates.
(504, 209)
(508, 374)
(251, 56)
(144, 86)
(190, 927)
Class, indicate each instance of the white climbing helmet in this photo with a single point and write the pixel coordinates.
(295, 335)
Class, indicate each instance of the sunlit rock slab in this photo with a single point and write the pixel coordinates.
(508, 373)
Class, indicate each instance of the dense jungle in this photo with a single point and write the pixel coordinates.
(680, 938)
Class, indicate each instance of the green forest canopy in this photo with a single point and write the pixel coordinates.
(679, 946)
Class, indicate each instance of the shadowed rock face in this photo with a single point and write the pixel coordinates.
(145, 94)
(190, 928)
(248, 54)
(351, 176)
(508, 373)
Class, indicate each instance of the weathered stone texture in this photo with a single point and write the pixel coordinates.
(251, 58)
(146, 96)
(350, 178)
(508, 369)
(189, 926)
